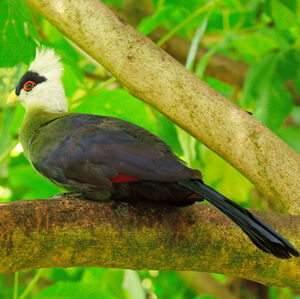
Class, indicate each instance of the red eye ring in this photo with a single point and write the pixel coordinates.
(29, 85)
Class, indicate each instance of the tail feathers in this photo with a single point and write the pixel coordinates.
(262, 235)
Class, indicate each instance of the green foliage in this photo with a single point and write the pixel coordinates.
(262, 33)
(132, 284)
(264, 88)
(283, 16)
(17, 32)
(77, 290)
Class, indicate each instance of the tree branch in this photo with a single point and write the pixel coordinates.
(71, 232)
(158, 79)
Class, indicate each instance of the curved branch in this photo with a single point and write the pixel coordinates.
(153, 76)
(69, 232)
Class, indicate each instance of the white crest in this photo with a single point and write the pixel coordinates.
(47, 64)
(48, 95)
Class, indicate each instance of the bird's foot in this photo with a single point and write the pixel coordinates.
(68, 195)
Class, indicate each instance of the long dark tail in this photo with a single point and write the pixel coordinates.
(262, 235)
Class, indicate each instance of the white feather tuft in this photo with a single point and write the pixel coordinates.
(48, 95)
(47, 64)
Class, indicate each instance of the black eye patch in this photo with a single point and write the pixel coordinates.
(29, 76)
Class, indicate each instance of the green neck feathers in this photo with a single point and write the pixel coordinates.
(33, 120)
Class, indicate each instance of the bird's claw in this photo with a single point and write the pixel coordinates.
(68, 195)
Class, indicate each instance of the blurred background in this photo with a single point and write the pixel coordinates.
(247, 50)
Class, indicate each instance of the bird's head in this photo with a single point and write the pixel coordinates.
(41, 87)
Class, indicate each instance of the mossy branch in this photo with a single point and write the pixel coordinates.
(66, 232)
(156, 78)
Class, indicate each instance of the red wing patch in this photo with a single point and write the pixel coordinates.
(122, 178)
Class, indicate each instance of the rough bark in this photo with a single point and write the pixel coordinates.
(71, 232)
(153, 76)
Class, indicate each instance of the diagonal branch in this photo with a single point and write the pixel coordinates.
(153, 76)
(71, 232)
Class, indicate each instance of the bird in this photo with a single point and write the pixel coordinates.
(104, 158)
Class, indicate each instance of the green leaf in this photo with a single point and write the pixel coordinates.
(274, 105)
(6, 291)
(188, 5)
(264, 90)
(26, 183)
(220, 175)
(202, 63)
(288, 64)
(132, 284)
(169, 285)
(251, 47)
(166, 130)
(195, 44)
(6, 139)
(74, 290)
(107, 281)
(16, 32)
(291, 135)
(259, 78)
(282, 39)
(117, 3)
(225, 89)
(148, 24)
(296, 115)
(67, 274)
(282, 15)
(188, 145)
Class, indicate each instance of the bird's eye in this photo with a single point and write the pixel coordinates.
(29, 85)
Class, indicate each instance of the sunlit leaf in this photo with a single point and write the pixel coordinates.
(107, 281)
(16, 32)
(132, 284)
(296, 115)
(195, 44)
(288, 64)
(291, 135)
(226, 179)
(263, 87)
(26, 183)
(283, 16)
(74, 290)
(150, 23)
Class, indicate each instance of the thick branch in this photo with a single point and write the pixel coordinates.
(153, 76)
(71, 232)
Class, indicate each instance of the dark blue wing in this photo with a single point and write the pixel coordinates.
(92, 149)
